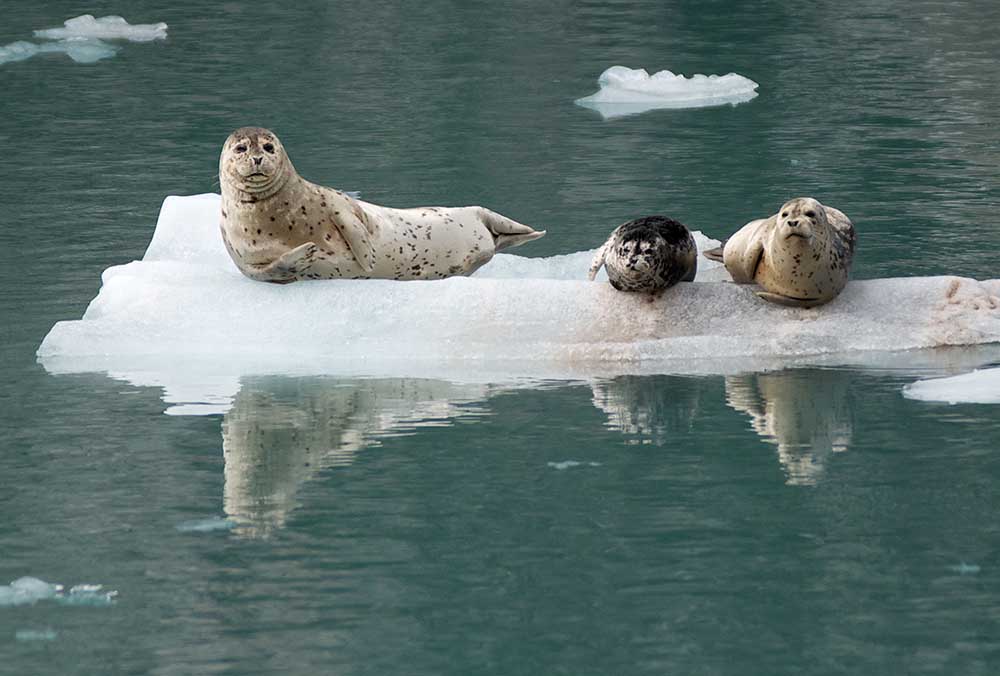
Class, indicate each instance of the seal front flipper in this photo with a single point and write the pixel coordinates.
(285, 268)
(598, 262)
(356, 231)
(789, 301)
(506, 232)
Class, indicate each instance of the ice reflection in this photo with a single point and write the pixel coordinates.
(805, 413)
(282, 431)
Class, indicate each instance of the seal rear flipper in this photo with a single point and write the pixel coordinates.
(789, 301)
(506, 232)
(716, 253)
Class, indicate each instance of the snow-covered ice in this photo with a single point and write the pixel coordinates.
(627, 91)
(82, 39)
(185, 319)
(978, 387)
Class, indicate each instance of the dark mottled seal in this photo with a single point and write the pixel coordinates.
(801, 256)
(648, 255)
(278, 227)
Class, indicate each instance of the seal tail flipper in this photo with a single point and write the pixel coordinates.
(716, 253)
(507, 233)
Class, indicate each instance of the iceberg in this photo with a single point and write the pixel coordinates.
(978, 387)
(627, 91)
(184, 318)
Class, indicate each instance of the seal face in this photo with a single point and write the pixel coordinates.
(278, 227)
(648, 254)
(801, 256)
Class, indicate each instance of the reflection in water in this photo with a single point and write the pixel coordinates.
(805, 413)
(280, 432)
(648, 408)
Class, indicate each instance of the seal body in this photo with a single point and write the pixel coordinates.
(279, 227)
(648, 254)
(801, 256)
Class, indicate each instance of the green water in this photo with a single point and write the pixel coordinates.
(808, 521)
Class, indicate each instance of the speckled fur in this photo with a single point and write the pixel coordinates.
(648, 255)
(280, 228)
(801, 256)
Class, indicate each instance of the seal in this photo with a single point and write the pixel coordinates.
(648, 254)
(279, 227)
(801, 256)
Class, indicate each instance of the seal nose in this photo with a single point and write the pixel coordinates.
(793, 224)
(258, 160)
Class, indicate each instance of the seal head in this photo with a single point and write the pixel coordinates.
(648, 254)
(254, 164)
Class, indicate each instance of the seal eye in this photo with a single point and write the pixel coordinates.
(269, 147)
(240, 148)
(811, 214)
(784, 214)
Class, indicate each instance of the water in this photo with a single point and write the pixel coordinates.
(804, 521)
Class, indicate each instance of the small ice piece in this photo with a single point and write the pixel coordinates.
(105, 28)
(27, 635)
(27, 591)
(567, 464)
(18, 51)
(627, 91)
(214, 523)
(87, 595)
(82, 50)
(979, 387)
(964, 568)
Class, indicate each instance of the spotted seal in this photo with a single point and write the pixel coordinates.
(648, 254)
(279, 227)
(801, 256)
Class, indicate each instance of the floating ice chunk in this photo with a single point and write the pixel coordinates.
(215, 523)
(978, 387)
(185, 301)
(27, 591)
(105, 28)
(31, 590)
(28, 635)
(627, 91)
(964, 568)
(18, 51)
(81, 50)
(567, 464)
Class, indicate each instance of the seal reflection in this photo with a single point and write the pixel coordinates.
(805, 413)
(283, 431)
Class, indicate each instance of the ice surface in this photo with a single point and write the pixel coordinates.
(31, 590)
(185, 319)
(627, 91)
(82, 39)
(978, 387)
(105, 28)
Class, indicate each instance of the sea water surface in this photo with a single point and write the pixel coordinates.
(807, 520)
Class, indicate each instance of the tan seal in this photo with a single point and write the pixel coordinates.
(279, 227)
(801, 256)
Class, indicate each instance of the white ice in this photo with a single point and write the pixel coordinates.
(105, 28)
(211, 524)
(31, 590)
(627, 91)
(978, 387)
(183, 318)
(82, 39)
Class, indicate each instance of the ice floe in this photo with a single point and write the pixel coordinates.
(209, 525)
(30, 590)
(82, 39)
(183, 318)
(978, 387)
(627, 91)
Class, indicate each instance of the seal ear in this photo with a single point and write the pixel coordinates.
(598, 262)
(352, 224)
